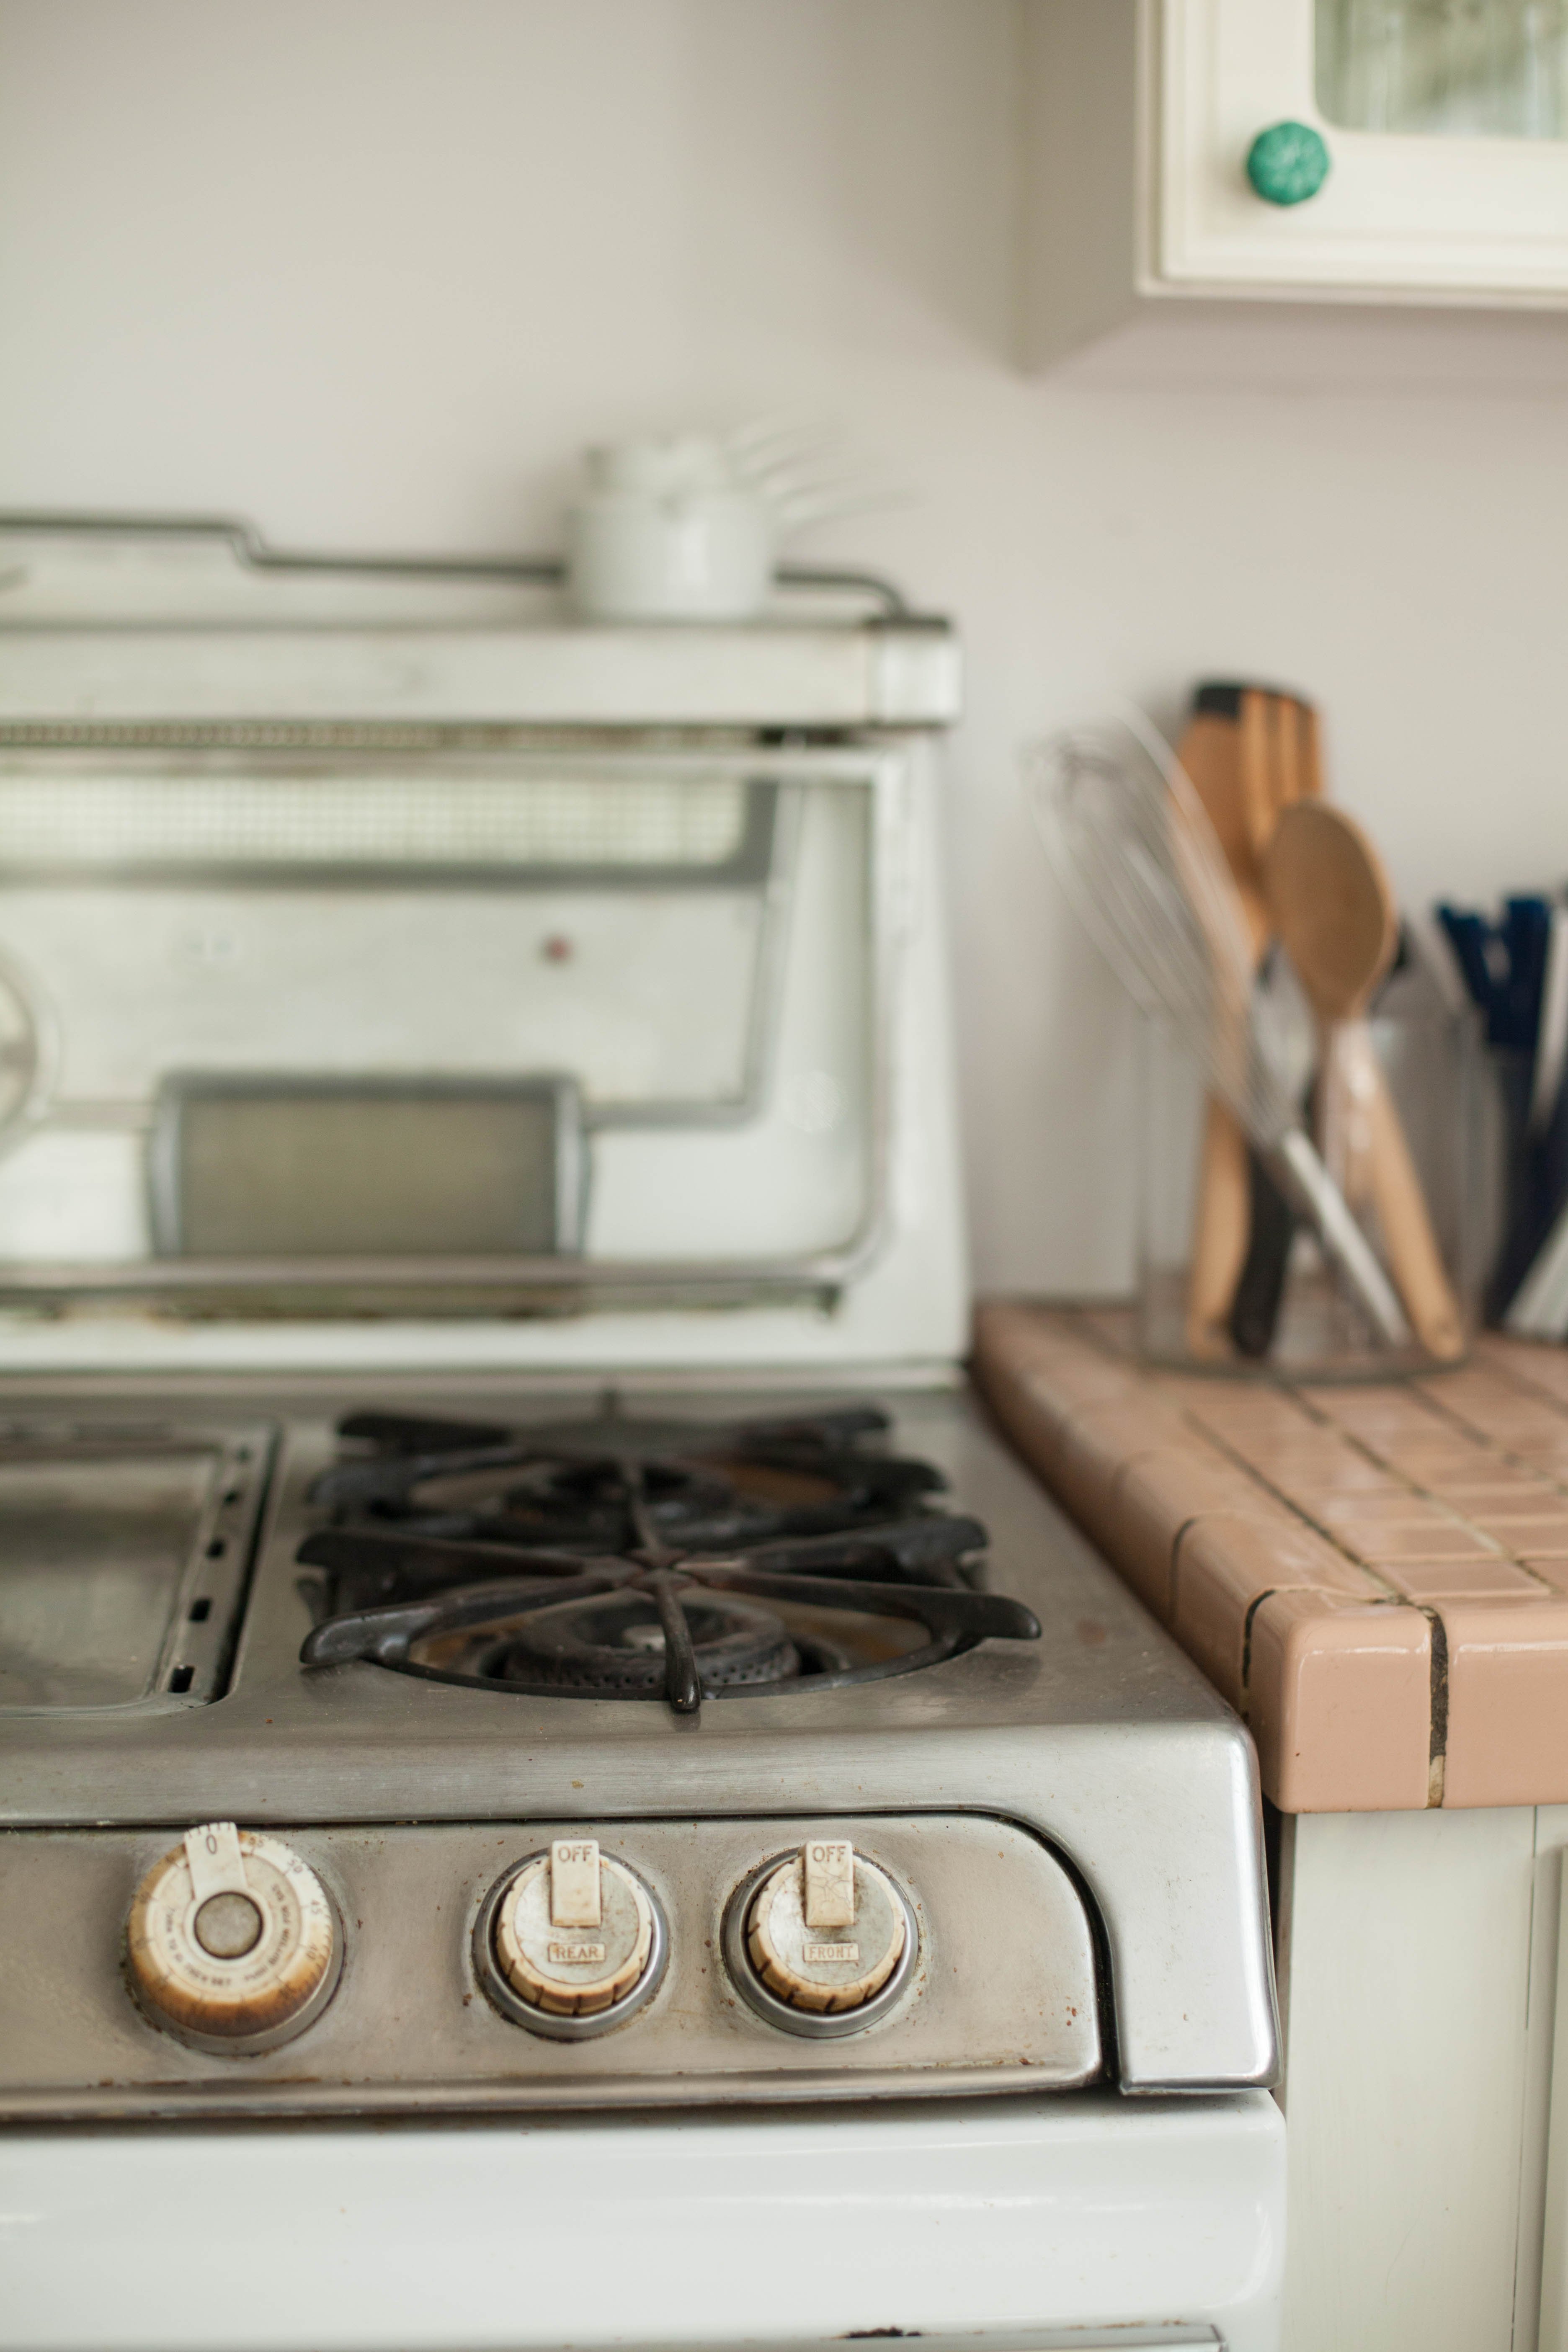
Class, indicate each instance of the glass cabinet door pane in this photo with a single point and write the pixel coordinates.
(1493, 69)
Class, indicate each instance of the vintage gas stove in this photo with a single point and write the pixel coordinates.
(537, 1718)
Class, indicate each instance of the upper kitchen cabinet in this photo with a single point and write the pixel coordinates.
(1410, 152)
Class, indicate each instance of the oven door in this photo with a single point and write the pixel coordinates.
(1018, 2224)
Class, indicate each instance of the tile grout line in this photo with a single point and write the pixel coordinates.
(1427, 1494)
(1438, 1703)
(1483, 1437)
(1298, 1510)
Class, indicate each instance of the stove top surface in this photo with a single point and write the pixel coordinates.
(798, 1605)
(354, 1513)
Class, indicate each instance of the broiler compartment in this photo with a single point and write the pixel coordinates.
(485, 1026)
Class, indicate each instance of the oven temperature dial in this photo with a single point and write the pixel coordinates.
(826, 1932)
(233, 1942)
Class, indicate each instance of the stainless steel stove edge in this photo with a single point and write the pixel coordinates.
(340, 2102)
(1193, 2008)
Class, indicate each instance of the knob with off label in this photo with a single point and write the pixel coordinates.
(826, 1930)
(574, 1937)
(233, 1942)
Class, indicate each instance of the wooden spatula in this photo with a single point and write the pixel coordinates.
(1249, 753)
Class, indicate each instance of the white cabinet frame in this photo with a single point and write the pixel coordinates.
(1139, 117)
(1423, 1991)
(1414, 217)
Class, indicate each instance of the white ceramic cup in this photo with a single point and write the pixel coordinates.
(663, 532)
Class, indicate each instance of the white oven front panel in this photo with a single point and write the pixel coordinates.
(1013, 2224)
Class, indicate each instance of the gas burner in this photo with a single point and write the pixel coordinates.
(615, 1645)
(702, 1485)
(625, 1631)
(643, 1589)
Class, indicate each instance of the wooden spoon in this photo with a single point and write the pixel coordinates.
(1332, 906)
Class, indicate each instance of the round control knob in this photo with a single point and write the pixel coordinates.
(1288, 164)
(232, 1942)
(574, 1958)
(825, 1929)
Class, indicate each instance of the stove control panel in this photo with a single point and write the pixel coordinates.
(232, 1942)
(511, 1964)
(570, 1941)
(823, 1935)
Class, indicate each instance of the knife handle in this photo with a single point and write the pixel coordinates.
(1219, 1233)
(1255, 1311)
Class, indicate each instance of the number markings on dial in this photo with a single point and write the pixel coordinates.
(272, 1987)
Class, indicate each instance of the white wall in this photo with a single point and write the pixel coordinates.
(370, 271)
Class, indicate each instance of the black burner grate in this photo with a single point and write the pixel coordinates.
(617, 1558)
(697, 1486)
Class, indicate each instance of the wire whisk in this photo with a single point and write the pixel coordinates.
(1135, 852)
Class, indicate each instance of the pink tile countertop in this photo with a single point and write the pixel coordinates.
(1376, 1577)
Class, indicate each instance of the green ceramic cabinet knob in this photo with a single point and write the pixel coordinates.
(1288, 163)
